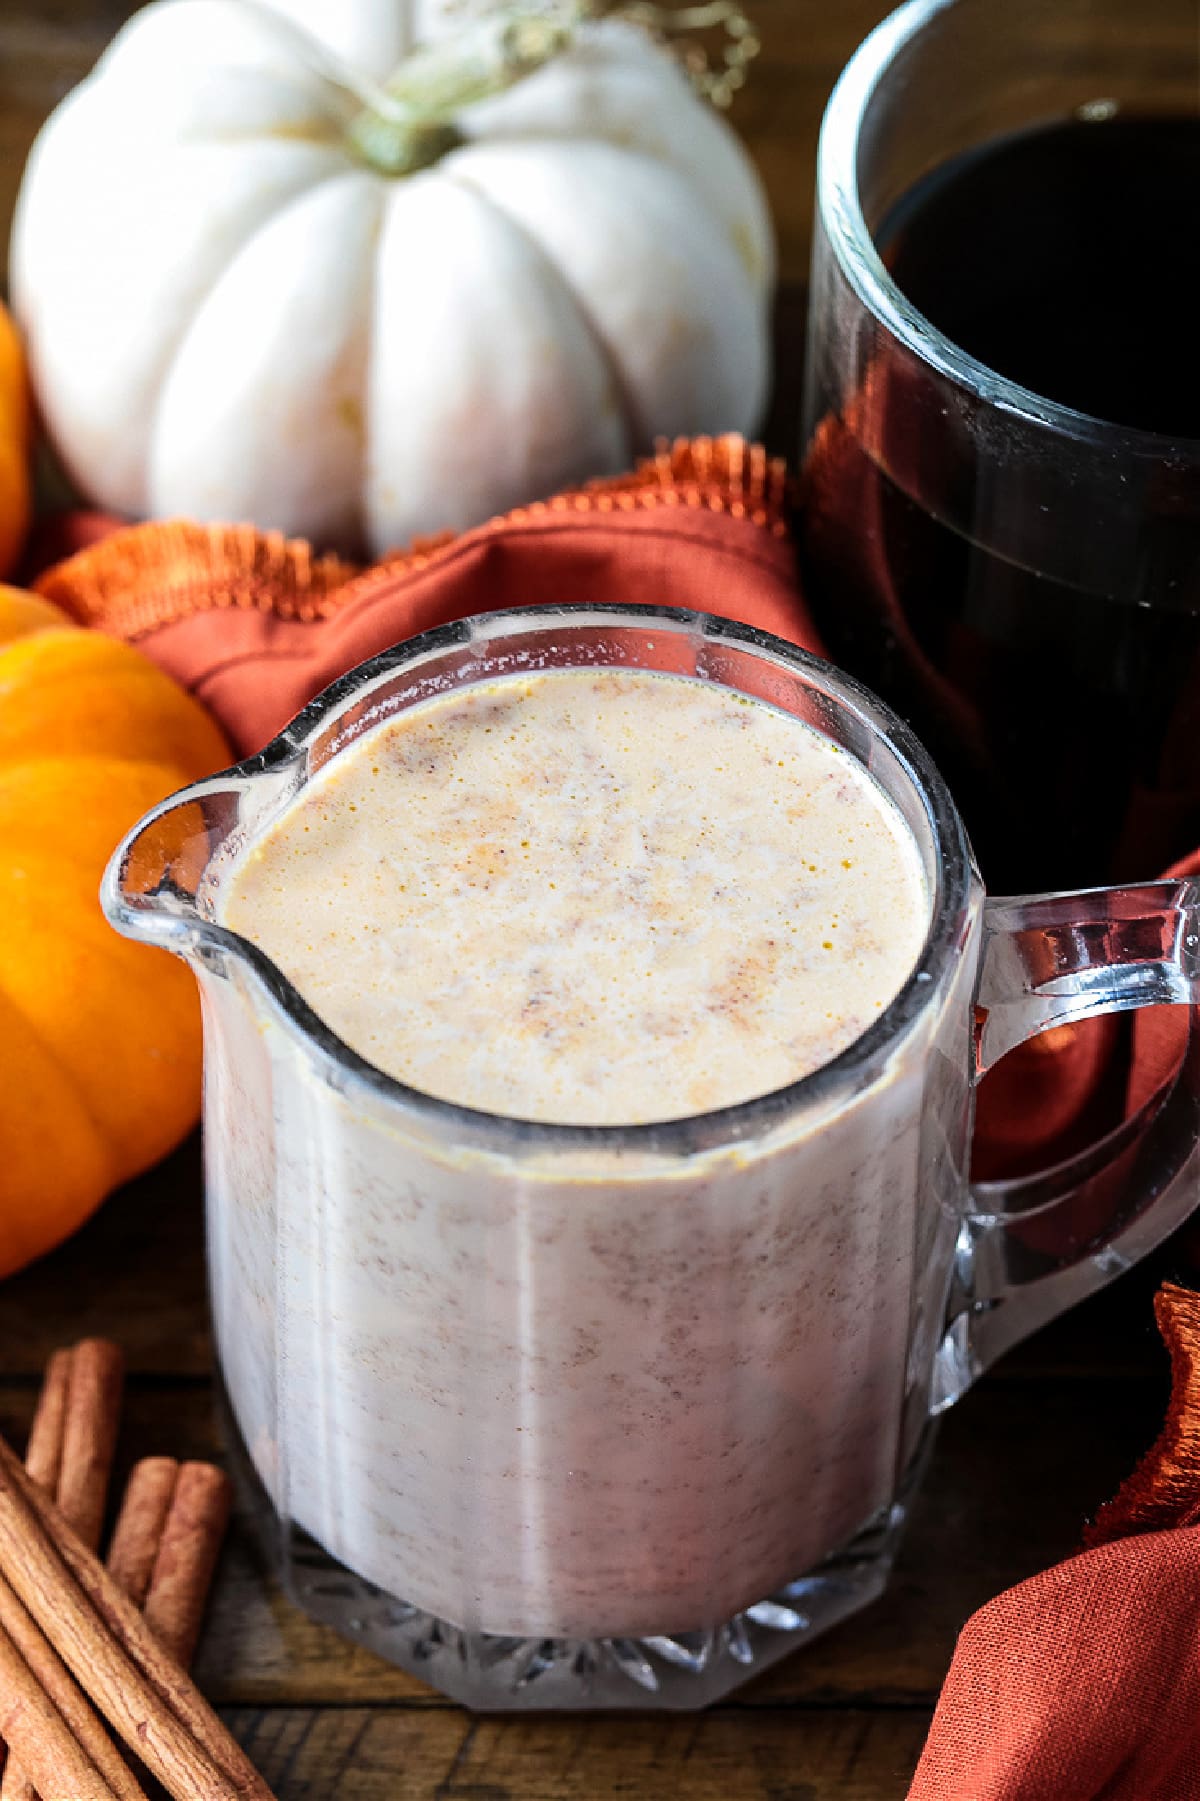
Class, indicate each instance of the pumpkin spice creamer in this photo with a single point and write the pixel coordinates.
(589, 1395)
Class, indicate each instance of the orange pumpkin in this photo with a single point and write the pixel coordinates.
(99, 1038)
(14, 444)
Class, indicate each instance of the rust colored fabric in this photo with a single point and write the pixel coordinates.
(1164, 1490)
(1083, 1684)
(256, 626)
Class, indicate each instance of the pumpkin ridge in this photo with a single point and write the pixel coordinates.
(154, 402)
(89, 692)
(70, 1083)
(657, 195)
(25, 615)
(28, 264)
(48, 635)
(46, 1191)
(370, 285)
(100, 1045)
(17, 505)
(636, 435)
(81, 772)
(16, 409)
(81, 934)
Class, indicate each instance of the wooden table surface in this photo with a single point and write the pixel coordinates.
(1019, 1465)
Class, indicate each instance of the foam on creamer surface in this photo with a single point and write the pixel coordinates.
(590, 897)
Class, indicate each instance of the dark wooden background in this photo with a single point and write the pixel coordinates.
(1019, 1466)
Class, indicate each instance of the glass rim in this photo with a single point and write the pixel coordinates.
(839, 209)
(955, 877)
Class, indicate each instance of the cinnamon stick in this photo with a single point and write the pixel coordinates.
(170, 1528)
(71, 1446)
(43, 1455)
(113, 1654)
(93, 1414)
(65, 1695)
(139, 1528)
(43, 1460)
(187, 1557)
(37, 1733)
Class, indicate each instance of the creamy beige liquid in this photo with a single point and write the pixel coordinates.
(591, 897)
(553, 1388)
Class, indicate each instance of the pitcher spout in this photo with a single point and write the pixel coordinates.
(161, 881)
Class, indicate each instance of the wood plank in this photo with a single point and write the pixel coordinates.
(46, 48)
(363, 1754)
(1018, 1468)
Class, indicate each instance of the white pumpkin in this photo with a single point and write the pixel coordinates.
(230, 315)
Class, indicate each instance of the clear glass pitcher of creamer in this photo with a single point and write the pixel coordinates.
(599, 1416)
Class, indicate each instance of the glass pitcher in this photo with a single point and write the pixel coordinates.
(561, 1416)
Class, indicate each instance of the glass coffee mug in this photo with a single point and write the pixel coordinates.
(1018, 576)
(562, 1416)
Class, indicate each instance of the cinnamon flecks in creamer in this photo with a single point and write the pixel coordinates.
(590, 897)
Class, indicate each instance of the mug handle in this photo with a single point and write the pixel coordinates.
(1029, 1249)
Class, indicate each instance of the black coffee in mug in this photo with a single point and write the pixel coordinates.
(1065, 259)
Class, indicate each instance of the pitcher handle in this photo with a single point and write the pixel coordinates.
(1029, 1249)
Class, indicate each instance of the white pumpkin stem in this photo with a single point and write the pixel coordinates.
(409, 122)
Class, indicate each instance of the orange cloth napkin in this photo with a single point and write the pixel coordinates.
(1083, 1684)
(1038, 1703)
(256, 626)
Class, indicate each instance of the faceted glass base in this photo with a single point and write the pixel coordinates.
(494, 1673)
